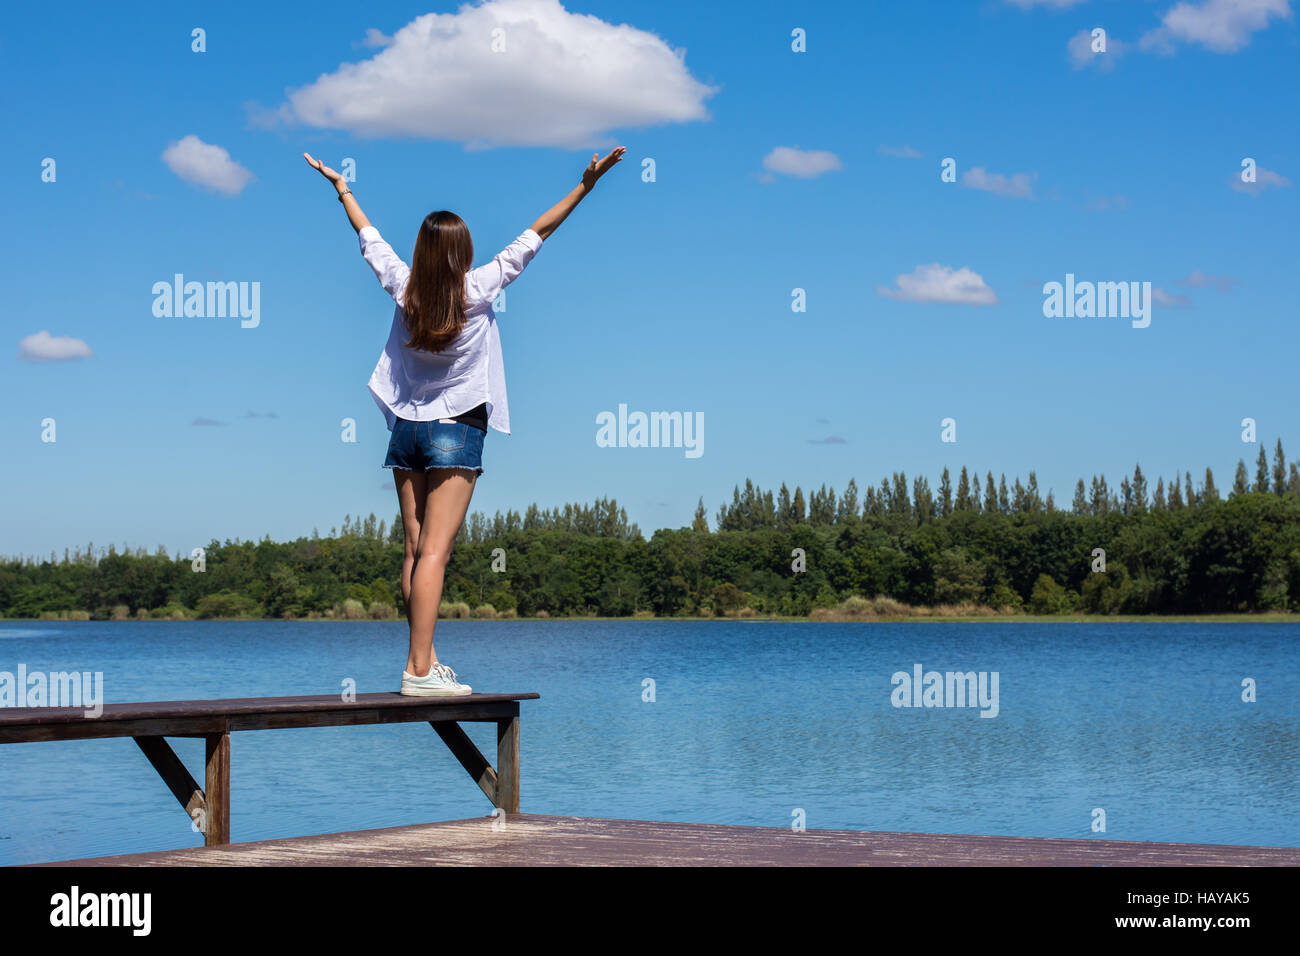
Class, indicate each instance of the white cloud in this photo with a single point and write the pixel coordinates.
(803, 163)
(43, 347)
(902, 152)
(562, 79)
(1201, 280)
(206, 165)
(1163, 298)
(376, 38)
(936, 283)
(1264, 179)
(1019, 186)
(1081, 53)
(1223, 26)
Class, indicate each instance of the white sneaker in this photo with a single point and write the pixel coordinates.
(439, 682)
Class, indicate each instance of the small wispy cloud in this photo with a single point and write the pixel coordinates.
(1019, 186)
(939, 283)
(1202, 280)
(902, 152)
(205, 422)
(1166, 300)
(1264, 179)
(1081, 53)
(43, 347)
(252, 414)
(801, 163)
(829, 440)
(207, 165)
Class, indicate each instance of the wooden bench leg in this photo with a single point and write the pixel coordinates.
(507, 797)
(175, 775)
(463, 749)
(217, 791)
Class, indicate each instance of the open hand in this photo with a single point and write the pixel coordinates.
(324, 170)
(597, 168)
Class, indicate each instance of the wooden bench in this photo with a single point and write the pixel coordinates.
(148, 724)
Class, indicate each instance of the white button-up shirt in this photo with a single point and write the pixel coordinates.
(424, 386)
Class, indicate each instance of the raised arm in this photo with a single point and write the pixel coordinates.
(355, 215)
(550, 220)
(388, 266)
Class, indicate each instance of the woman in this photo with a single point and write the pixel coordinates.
(440, 383)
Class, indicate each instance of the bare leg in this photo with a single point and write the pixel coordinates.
(447, 499)
(411, 491)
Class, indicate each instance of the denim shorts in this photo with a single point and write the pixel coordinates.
(419, 446)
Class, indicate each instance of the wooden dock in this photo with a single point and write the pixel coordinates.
(509, 838)
(534, 840)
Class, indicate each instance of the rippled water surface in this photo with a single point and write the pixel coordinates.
(751, 721)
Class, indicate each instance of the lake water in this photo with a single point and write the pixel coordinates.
(751, 721)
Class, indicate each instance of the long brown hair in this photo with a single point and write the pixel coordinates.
(435, 291)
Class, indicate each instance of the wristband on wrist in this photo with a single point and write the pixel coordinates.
(346, 192)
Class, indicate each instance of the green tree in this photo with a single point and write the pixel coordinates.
(1175, 494)
(727, 597)
(1241, 484)
(945, 494)
(282, 593)
(1279, 469)
(963, 491)
(701, 522)
(958, 578)
(1080, 504)
(1139, 489)
(1049, 597)
(226, 604)
(1261, 471)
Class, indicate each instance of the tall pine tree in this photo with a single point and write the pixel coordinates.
(1261, 471)
(701, 523)
(1241, 484)
(1080, 505)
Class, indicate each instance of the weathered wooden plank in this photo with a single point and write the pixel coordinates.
(14, 717)
(174, 774)
(167, 721)
(217, 792)
(485, 712)
(533, 840)
(470, 757)
(507, 795)
(97, 729)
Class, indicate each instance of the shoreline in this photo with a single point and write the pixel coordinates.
(1242, 618)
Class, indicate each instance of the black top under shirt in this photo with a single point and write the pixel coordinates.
(477, 417)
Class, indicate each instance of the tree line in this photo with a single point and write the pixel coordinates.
(1178, 548)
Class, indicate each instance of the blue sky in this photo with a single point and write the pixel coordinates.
(667, 295)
